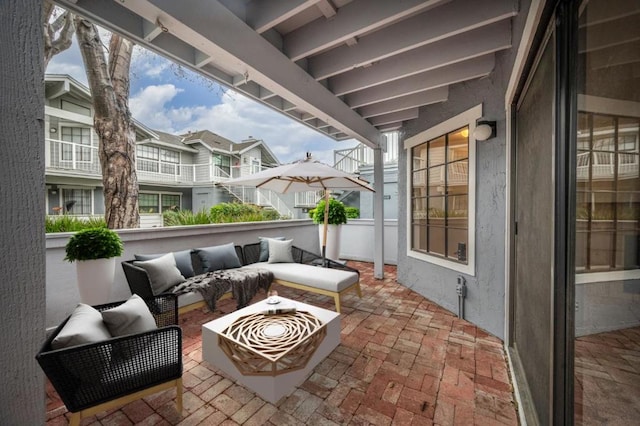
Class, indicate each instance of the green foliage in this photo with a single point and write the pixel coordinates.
(337, 212)
(66, 223)
(352, 212)
(185, 217)
(220, 213)
(95, 243)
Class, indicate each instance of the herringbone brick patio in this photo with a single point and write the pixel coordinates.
(403, 360)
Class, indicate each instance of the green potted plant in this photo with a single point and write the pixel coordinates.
(337, 216)
(94, 251)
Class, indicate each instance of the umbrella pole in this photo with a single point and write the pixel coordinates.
(326, 223)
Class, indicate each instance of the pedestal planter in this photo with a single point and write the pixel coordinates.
(333, 240)
(95, 278)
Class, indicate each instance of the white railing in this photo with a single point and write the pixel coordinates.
(604, 164)
(350, 160)
(260, 197)
(308, 198)
(72, 156)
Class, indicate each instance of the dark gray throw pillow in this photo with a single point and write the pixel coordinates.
(218, 257)
(183, 261)
(264, 247)
(162, 272)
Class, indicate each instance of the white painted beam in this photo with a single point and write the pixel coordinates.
(355, 18)
(428, 27)
(263, 15)
(150, 30)
(408, 114)
(390, 127)
(624, 54)
(217, 32)
(465, 46)
(462, 71)
(610, 33)
(326, 8)
(201, 59)
(427, 97)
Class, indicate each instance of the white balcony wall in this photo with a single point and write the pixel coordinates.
(62, 291)
(357, 241)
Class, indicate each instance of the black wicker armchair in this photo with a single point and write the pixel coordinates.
(94, 377)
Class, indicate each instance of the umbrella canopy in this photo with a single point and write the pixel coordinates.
(305, 175)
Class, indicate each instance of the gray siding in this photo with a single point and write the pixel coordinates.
(22, 310)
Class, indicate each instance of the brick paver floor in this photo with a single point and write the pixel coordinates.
(403, 360)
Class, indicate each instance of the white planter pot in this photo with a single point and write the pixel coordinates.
(333, 240)
(95, 278)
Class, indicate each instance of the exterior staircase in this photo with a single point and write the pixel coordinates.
(261, 197)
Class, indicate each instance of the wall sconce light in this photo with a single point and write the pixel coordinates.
(484, 130)
(53, 130)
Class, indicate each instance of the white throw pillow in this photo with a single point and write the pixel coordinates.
(280, 251)
(162, 271)
(85, 325)
(133, 316)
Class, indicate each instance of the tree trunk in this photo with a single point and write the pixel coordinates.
(109, 84)
(57, 33)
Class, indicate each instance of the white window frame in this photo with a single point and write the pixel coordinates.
(91, 189)
(62, 141)
(467, 118)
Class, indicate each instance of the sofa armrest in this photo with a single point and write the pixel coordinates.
(137, 279)
(307, 257)
(163, 307)
(89, 374)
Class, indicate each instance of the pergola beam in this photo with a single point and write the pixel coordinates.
(428, 97)
(352, 20)
(427, 27)
(262, 15)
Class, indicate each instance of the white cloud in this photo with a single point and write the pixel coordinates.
(236, 118)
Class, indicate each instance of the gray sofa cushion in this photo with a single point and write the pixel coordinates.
(183, 261)
(280, 251)
(264, 247)
(313, 276)
(218, 257)
(133, 316)
(162, 271)
(84, 326)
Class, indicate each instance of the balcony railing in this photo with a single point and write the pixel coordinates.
(75, 157)
(350, 160)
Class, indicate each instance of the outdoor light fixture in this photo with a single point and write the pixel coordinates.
(53, 130)
(484, 130)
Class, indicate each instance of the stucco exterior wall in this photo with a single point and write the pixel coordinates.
(485, 302)
(22, 315)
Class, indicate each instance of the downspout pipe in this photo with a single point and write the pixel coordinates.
(461, 290)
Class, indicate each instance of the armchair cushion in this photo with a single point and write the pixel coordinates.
(219, 257)
(280, 251)
(133, 316)
(264, 247)
(162, 271)
(85, 325)
(183, 261)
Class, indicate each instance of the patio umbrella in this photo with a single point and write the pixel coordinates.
(305, 175)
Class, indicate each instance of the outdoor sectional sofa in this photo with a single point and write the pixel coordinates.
(305, 272)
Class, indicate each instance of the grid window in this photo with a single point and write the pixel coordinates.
(149, 203)
(76, 201)
(78, 136)
(608, 193)
(439, 196)
(170, 202)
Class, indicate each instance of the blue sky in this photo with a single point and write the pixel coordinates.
(175, 100)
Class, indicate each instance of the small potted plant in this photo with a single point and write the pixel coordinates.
(94, 250)
(336, 217)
